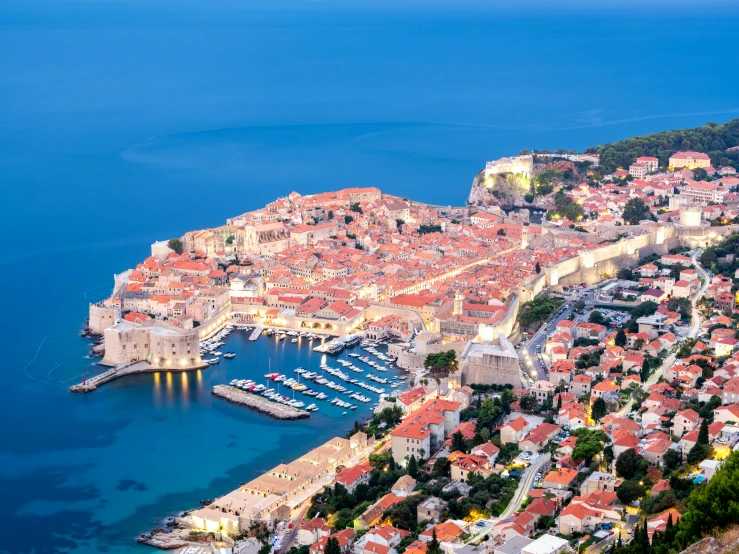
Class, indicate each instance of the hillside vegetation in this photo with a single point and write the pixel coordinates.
(711, 138)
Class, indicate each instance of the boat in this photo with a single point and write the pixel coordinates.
(294, 340)
(229, 355)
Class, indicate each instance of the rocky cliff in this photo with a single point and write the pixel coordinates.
(725, 543)
(505, 190)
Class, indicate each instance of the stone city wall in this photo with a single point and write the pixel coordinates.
(102, 317)
(505, 326)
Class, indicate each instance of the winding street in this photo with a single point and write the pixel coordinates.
(522, 491)
(693, 331)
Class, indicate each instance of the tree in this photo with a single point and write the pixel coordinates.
(709, 257)
(702, 448)
(596, 316)
(620, 337)
(332, 546)
(537, 268)
(266, 548)
(635, 211)
(441, 467)
(458, 442)
(413, 467)
(629, 491)
(625, 274)
(644, 309)
(356, 207)
(176, 245)
(538, 310)
(442, 363)
(672, 459)
(713, 506)
(348, 219)
(598, 410)
(488, 415)
(703, 433)
(629, 463)
(433, 546)
(501, 232)
(330, 214)
(528, 403)
(589, 443)
(579, 305)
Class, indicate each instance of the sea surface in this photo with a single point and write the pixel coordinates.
(126, 122)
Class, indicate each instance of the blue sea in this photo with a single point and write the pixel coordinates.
(123, 122)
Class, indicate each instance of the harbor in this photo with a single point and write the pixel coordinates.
(338, 382)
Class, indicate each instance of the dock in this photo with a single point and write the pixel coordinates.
(133, 368)
(258, 403)
(256, 333)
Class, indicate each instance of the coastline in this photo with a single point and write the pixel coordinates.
(257, 403)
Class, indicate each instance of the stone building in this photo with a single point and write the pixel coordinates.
(102, 317)
(493, 363)
(158, 343)
(266, 240)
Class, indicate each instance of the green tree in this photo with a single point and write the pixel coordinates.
(579, 305)
(629, 463)
(598, 410)
(596, 316)
(441, 467)
(537, 268)
(702, 449)
(433, 546)
(672, 459)
(442, 363)
(629, 491)
(176, 245)
(709, 257)
(644, 309)
(528, 403)
(635, 211)
(713, 506)
(589, 443)
(620, 337)
(413, 467)
(330, 214)
(332, 546)
(458, 442)
(488, 415)
(348, 219)
(538, 310)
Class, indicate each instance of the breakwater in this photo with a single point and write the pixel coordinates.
(278, 411)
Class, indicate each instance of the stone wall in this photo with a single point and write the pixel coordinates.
(491, 364)
(158, 343)
(504, 326)
(102, 317)
(592, 266)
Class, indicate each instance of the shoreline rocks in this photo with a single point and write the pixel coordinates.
(272, 409)
(82, 388)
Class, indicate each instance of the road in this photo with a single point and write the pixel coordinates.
(695, 327)
(522, 492)
(623, 530)
(534, 368)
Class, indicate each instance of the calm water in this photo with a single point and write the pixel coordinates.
(126, 122)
